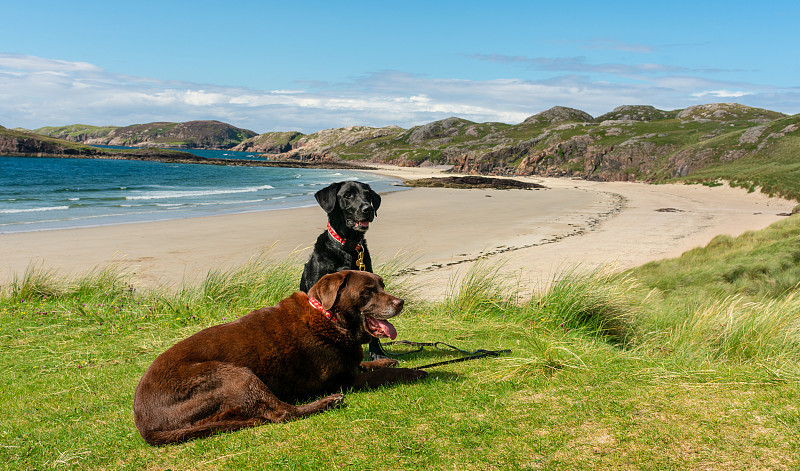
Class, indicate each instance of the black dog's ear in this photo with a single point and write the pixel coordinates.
(328, 288)
(326, 197)
(376, 200)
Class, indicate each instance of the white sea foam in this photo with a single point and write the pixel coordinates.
(33, 210)
(158, 195)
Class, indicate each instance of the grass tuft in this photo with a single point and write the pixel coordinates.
(481, 291)
(259, 282)
(598, 302)
(735, 329)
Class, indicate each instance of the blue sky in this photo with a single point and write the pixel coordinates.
(274, 66)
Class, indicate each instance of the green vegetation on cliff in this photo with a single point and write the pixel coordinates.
(765, 157)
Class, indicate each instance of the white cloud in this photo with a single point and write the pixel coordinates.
(36, 92)
(722, 94)
(38, 64)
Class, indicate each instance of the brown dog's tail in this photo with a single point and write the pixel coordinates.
(163, 437)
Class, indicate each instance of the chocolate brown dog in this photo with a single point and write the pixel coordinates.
(253, 370)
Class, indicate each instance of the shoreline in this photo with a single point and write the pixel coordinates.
(531, 235)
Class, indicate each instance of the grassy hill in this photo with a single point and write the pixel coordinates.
(76, 132)
(188, 135)
(689, 363)
(765, 156)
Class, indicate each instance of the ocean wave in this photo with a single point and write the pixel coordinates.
(33, 210)
(157, 195)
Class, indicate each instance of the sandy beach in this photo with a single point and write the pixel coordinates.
(532, 234)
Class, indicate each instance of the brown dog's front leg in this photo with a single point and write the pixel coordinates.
(378, 364)
(379, 377)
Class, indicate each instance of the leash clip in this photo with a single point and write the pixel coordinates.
(360, 261)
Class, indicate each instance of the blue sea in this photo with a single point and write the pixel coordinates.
(42, 194)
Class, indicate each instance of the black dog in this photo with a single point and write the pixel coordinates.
(351, 207)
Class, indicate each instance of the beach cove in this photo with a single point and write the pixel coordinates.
(438, 233)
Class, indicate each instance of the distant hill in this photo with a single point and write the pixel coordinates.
(23, 143)
(188, 135)
(748, 146)
(630, 143)
(14, 142)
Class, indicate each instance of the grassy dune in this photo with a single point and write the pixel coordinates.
(689, 363)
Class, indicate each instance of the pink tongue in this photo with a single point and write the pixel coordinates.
(382, 327)
(363, 223)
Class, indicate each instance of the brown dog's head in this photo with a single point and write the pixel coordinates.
(359, 302)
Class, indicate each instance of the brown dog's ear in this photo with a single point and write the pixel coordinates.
(328, 288)
(326, 197)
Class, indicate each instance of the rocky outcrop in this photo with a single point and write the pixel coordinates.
(727, 112)
(634, 113)
(443, 131)
(269, 143)
(317, 146)
(558, 114)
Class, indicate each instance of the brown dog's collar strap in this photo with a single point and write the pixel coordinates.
(318, 306)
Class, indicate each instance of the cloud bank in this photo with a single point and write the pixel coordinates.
(36, 92)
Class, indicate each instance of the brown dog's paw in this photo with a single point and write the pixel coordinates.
(412, 374)
(378, 364)
(419, 374)
(334, 401)
(385, 363)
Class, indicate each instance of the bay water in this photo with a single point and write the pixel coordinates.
(45, 193)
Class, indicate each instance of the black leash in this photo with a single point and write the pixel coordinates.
(471, 355)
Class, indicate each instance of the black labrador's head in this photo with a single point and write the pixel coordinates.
(359, 302)
(351, 206)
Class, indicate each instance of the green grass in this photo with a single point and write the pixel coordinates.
(772, 166)
(774, 173)
(690, 363)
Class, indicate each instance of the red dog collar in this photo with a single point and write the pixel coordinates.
(359, 248)
(341, 239)
(318, 306)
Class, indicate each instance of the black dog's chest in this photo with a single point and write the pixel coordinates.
(330, 256)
